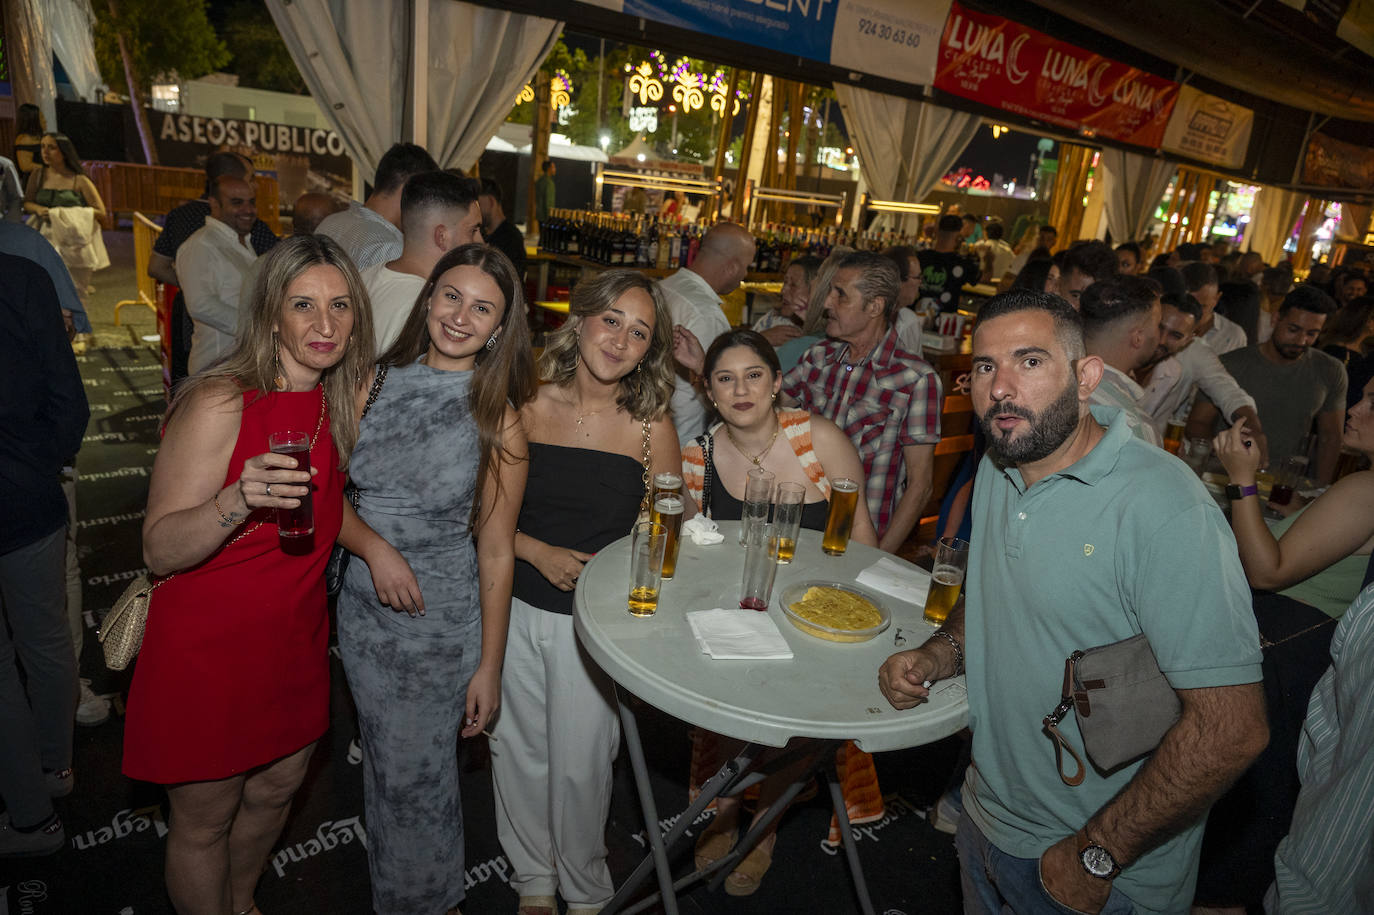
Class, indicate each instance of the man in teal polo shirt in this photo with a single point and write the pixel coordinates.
(1084, 536)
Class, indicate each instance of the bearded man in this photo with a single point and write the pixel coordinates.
(1082, 536)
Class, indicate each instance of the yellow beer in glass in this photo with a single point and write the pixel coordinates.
(668, 512)
(844, 498)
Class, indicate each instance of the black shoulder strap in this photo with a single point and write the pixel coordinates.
(707, 445)
(376, 389)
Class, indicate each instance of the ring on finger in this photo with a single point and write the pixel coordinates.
(269, 489)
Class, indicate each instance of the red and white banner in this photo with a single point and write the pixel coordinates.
(1003, 64)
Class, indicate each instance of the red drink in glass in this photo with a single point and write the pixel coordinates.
(293, 523)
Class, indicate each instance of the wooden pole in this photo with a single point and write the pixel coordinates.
(539, 145)
(727, 121)
(751, 123)
(795, 126)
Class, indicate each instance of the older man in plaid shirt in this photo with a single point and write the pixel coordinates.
(886, 399)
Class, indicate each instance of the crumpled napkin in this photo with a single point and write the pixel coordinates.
(702, 530)
(897, 578)
(738, 635)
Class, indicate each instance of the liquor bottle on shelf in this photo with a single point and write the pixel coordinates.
(665, 246)
(641, 243)
(675, 251)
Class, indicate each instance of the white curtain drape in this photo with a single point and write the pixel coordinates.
(30, 56)
(70, 26)
(905, 146)
(355, 58)
(480, 58)
(1134, 186)
(1272, 220)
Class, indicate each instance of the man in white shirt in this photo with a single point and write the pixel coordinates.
(1181, 365)
(439, 211)
(1121, 327)
(693, 297)
(1221, 333)
(211, 265)
(997, 255)
(371, 232)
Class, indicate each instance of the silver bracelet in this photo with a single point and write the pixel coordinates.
(953, 643)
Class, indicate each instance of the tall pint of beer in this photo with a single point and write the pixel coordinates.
(668, 512)
(844, 498)
(667, 483)
(947, 579)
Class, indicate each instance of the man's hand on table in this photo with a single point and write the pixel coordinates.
(1067, 883)
(903, 676)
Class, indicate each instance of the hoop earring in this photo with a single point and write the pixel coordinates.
(491, 343)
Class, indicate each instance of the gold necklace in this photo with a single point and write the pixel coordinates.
(583, 415)
(758, 457)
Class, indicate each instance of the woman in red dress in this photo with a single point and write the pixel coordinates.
(231, 690)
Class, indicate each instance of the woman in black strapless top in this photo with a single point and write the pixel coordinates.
(608, 375)
(743, 378)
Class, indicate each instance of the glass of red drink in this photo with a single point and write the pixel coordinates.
(294, 523)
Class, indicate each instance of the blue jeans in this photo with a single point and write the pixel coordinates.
(995, 883)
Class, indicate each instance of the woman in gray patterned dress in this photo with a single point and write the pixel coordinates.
(440, 464)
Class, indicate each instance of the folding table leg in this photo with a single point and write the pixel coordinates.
(851, 850)
(646, 800)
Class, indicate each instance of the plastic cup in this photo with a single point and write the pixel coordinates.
(760, 567)
(787, 515)
(647, 543)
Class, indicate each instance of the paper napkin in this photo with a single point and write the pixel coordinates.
(897, 578)
(738, 635)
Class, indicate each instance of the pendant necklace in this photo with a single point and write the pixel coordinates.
(758, 457)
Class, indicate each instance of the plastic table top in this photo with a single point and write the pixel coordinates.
(826, 690)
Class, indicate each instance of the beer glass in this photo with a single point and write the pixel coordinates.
(758, 500)
(844, 498)
(668, 512)
(1290, 476)
(667, 482)
(787, 515)
(1173, 436)
(1196, 451)
(760, 565)
(947, 579)
(293, 523)
(647, 542)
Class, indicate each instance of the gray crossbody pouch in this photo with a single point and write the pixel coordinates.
(1123, 703)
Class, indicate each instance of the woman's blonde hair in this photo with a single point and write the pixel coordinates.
(814, 323)
(644, 392)
(253, 365)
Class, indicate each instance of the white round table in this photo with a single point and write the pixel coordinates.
(827, 690)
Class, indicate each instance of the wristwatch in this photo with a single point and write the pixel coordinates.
(1236, 491)
(1095, 859)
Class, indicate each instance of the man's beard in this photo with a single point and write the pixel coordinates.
(1049, 429)
(1291, 351)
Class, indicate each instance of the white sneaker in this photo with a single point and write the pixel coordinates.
(945, 815)
(91, 710)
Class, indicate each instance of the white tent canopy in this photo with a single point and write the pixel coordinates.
(355, 57)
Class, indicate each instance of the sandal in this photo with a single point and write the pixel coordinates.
(714, 843)
(537, 905)
(747, 876)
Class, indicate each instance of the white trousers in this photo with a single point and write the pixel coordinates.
(556, 739)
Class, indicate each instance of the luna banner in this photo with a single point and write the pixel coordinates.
(1006, 65)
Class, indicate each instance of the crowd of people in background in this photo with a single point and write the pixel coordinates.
(396, 329)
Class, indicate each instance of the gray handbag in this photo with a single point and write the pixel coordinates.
(1122, 701)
